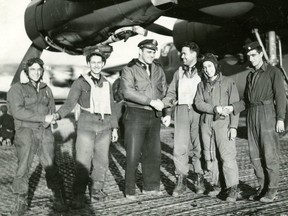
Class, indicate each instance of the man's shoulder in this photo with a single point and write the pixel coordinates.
(16, 86)
(132, 63)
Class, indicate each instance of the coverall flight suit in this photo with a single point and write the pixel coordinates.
(265, 99)
(29, 108)
(214, 131)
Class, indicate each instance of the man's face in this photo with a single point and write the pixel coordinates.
(189, 57)
(147, 55)
(96, 64)
(209, 69)
(35, 72)
(255, 58)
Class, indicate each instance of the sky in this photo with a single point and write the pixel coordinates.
(14, 41)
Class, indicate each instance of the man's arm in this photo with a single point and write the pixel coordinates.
(71, 100)
(280, 99)
(199, 101)
(233, 97)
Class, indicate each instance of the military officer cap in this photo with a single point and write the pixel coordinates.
(251, 46)
(149, 44)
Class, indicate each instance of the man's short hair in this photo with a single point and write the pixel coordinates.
(96, 53)
(4, 109)
(192, 46)
(32, 61)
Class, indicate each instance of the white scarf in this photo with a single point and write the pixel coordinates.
(99, 98)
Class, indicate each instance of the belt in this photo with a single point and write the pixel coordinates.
(189, 106)
(97, 114)
(261, 103)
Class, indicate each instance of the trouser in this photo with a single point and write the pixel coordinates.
(264, 144)
(28, 142)
(142, 140)
(186, 140)
(92, 149)
(215, 138)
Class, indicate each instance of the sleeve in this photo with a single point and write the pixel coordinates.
(51, 102)
(164, 83)
(279, 94)
(171, 97)
(114, 121)
(71, 100)
(242, 104)
(17, 108)
(200, 103)
(128, 87)
(233, 97)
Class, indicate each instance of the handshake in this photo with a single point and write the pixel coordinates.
(157, 104)
(51, 119)
(224, 110)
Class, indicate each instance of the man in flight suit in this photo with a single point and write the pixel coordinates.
(265, 100)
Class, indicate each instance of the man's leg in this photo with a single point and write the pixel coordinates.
(255, 153)
(135, 130)
(211, 162)
(100, 164)
(227, 152)
(195, 151)
(270, 145)
(151, 157)
(25, 150)
(84, 153)
(181, 140)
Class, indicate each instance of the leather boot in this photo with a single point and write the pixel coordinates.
(199, 184)
(270, 196)
(232, 194)
(181, 185)
(257, 195)
(20, 205)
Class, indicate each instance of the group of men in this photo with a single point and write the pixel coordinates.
(149, 100)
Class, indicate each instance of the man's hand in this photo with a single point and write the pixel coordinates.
(280, 128)
(232, 133)
(224, 110)
(114, 136)
(157, 104)
(56, 116)
(48, 120)
(166, 120)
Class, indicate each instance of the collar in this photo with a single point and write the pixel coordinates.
(218, 79)
(144, 65)
(98, 82)
(41, 84)
(261, 69)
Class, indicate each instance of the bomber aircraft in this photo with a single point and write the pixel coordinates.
(219, 26)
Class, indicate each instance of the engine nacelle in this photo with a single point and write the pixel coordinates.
(210, 38)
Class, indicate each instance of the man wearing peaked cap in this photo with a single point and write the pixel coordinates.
(97, 127)
(149, 44)
(251, 46)
(265, 102)
(143, 84)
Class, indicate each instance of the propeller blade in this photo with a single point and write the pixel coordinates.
(32, 51)
(159, 29)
